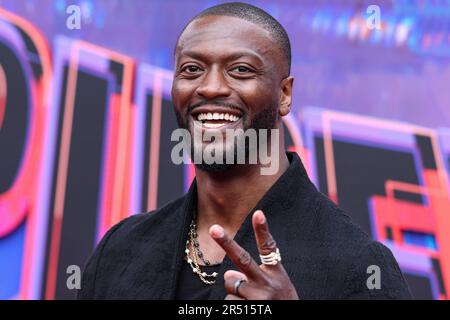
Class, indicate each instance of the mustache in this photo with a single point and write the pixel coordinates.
(215, 103)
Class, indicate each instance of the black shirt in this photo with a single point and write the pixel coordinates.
(324, 253)
(190, 287)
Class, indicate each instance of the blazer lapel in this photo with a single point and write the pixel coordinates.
(185, 215)
(167, 252)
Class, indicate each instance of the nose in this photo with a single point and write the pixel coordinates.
(213, 85)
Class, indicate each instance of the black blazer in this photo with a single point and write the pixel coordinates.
(324, 253)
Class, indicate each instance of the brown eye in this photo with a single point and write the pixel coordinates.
(191, 69)
(242, 69)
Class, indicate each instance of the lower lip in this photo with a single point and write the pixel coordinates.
(225, 125)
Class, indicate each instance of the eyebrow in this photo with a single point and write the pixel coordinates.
(234, 56)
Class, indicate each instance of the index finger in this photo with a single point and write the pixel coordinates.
(240, 257)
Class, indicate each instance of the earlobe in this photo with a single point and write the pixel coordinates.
(284, 110)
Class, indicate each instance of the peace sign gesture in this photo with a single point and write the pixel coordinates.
(268, 281)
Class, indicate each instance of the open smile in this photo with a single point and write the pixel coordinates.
(217, 117)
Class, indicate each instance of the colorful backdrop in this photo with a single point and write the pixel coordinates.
(86, 118)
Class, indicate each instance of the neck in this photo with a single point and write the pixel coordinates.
(226, 198)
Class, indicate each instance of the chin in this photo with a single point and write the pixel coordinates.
(214, 167)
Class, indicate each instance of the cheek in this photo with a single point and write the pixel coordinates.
(256, 96)
(182, 92)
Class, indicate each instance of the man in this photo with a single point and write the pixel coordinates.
(232, 71)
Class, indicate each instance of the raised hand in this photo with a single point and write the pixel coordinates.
(255, 282)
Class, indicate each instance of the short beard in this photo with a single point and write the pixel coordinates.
(265, 119)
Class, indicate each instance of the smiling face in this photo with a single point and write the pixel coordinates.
(229, 74)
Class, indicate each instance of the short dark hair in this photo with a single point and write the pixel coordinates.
(255, 15)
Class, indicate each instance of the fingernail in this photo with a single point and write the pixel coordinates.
(217, 231)
(261, 218)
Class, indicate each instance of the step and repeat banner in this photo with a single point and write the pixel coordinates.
(86, 120)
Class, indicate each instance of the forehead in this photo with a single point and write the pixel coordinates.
(219, 35)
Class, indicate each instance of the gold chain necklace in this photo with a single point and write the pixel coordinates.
(193, 249)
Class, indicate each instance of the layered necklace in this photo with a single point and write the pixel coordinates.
(194, 255)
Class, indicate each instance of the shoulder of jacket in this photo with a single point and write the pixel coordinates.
(143, 221)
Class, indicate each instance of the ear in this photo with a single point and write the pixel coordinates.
(286, 95)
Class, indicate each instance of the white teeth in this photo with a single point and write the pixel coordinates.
(217, 116)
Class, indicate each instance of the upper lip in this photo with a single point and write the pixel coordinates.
(216, 109)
